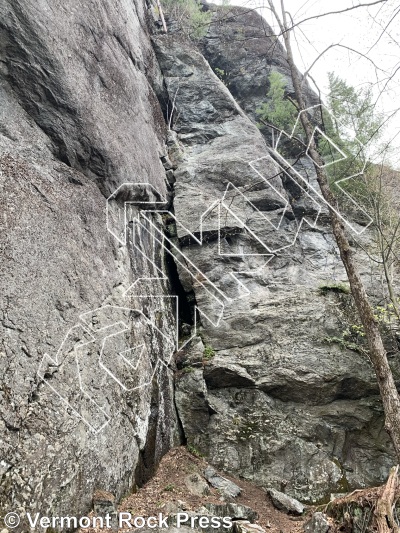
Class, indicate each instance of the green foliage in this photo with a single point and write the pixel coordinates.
(344, 343)
(334, 287)
(222, 75)
(355, 124)
(169, 488)
(188, 370)
(357, 330)
(353, 337)
(194, 451)
(189, 15)
(220, 72)
(277, 110)
(374, 187)
(355, 111)
(208, 353)
(386, 314)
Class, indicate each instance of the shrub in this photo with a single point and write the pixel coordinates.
(189, 16)
(277, 109)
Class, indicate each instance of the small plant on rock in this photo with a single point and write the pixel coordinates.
(340, 288)
(188, 370)
(220, 72)
(193, 450)
(208, 353)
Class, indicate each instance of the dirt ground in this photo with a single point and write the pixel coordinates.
(167, 490)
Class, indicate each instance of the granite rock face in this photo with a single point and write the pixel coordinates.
(244, 49)
(269, 399)
(90, 105)
(227, 488)
(79, 117)
(285, 503)
(319, 523)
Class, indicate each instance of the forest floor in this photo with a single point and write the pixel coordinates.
(167, 493)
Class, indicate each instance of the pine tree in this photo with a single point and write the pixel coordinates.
(277, 111)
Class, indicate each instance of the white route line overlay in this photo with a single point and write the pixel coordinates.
(143, 221)
(89, 410)
(338, 183)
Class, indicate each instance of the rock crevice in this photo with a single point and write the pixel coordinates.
(95, 175)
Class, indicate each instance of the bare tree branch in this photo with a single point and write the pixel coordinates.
(383, 31)
(339, 45)
(377, 352)
(334, 13)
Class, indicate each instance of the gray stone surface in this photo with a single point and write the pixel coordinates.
(78, 117)
(244, 526)
(104, 505)
(285, 503)
(196, 484)
(233, 510)
(225, 486)
(244, 48)
(319, 523)
(278, 404)
(191, 399)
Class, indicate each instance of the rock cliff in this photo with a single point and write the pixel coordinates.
(274, 402)
(79, 117)
(132, 176)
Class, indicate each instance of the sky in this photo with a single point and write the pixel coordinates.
(367, 30)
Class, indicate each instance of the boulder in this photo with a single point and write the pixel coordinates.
(227, 488)
(277, 404)
(244, 526)
(234, 510)
(319, 523)
(79, 117)
(196, 485)
(285, 503)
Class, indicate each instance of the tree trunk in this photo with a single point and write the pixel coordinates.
(384, 506)
(377, 353)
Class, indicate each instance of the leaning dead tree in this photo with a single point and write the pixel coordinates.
(376, 350)
(384, 507)
(368, 510)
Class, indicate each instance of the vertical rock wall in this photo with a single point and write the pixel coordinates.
(260, 391)
(78, 118)
(88, 325)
